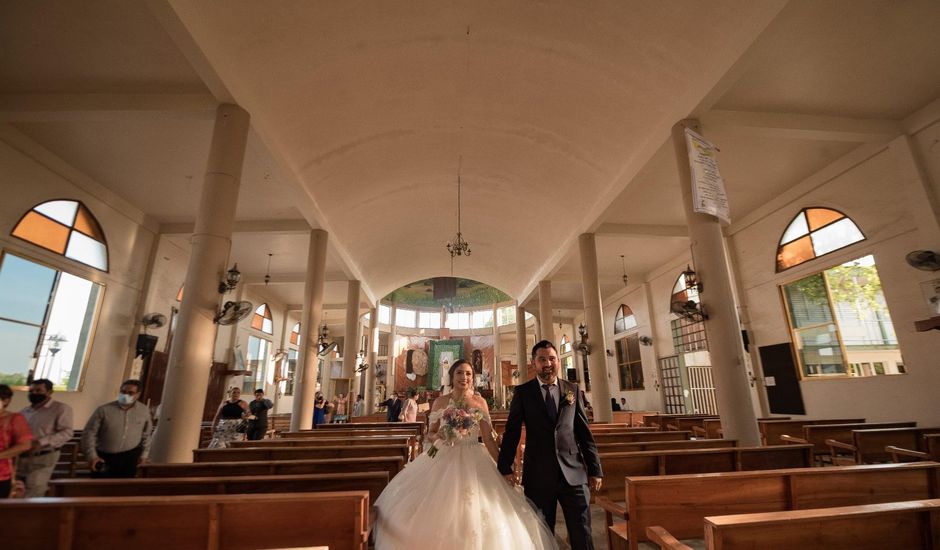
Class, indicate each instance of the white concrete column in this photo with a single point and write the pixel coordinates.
(305, 377)
(522, 348)
(594, 322)
(392, 336)
(725, 348)
(351, 340)
(372, 359)
(546, 316)
(187, 375)
(497, 365)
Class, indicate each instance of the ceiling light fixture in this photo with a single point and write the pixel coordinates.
(624, 267)
(267, 275)
(458, 246)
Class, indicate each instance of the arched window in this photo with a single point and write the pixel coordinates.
(262, 320)
(565, 344)
(681, 291)
(68, 228)
(813, 233)
(624, 320)
(295, 335)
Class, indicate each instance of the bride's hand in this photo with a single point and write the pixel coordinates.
(510, 479)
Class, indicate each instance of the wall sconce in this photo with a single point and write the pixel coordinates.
(323, 337)
(609, 353)
(691, 279)
(583, 345)
(646, 341)
(232, 277)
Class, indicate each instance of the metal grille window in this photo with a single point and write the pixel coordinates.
(671, 376)
(688, 335)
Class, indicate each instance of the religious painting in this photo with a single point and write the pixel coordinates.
(440, 351)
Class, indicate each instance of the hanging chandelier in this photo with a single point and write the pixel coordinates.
(458, 246)
(623, 266)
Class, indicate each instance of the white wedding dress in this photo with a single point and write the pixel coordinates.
(457, 500)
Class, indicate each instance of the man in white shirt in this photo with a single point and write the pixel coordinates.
(51, 424)
(117, 436)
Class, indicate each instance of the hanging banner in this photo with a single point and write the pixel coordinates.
(708, 189)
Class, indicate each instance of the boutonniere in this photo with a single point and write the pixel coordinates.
(569, 397)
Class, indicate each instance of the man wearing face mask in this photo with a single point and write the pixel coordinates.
(117, 436)
(51, 424)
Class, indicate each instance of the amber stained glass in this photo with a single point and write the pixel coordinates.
(819, 217)
(795, 253)
(87, 224)
(42, 231)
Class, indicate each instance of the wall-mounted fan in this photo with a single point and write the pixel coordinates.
(926, 260)
(327, 349)
(279, 356)
(690, 309)
(233, 312)
(153, 320)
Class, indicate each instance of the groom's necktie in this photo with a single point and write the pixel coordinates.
(550, 401)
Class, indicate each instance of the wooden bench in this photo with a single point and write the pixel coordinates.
(626, 437)
(868, 446)
(323, 442)
(618, 466)
(660, 445)
(301, 453)
(911, 524)
(418, 427)
(392, 465)
(930, 444)
(338, 520)
(680, 503)
(817, 434)
(771, 430)
(373, 482)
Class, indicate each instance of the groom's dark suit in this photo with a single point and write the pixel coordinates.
(556, 455)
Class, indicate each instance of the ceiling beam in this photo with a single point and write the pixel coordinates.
(283, 227)
(290, 278)
(808, 127)
(641, 230)
(97, 107)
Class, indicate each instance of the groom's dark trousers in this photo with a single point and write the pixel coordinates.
(560, 454)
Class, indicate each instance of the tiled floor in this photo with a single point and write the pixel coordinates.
(598, 528)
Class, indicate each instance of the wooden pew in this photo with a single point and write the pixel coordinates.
(660, 445)
(624, 437)
(323, 442)
(392, 465)
(931, 444)
(679, 503)
(911, 524)
(339, 520)
(772, 429)
(373, 482)
(278, 423)
(618, 466)
(817, 434)
(418, 427)
(868, 446)
(301, 453)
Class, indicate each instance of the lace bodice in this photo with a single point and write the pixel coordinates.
(473, 434)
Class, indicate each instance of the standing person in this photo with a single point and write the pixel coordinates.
(51, 424)
(341, 402)
(227, 419)
(409, 411)
(559, 447)
(358, 405)
(258, 426)
(319, 410)
(15, 439)
(117, 436)
(452, 496)
(392, 408)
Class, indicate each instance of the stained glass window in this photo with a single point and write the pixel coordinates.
(295, 335)
(624, 320)
(813, 233)
(262, 320)
(68, 228)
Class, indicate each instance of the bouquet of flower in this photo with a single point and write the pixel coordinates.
(456, 423)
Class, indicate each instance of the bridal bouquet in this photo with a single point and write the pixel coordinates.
(456, 423)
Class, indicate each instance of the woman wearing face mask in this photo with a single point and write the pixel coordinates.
(227, 418)
(15, 438)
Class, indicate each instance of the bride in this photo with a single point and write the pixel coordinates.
(452, 496)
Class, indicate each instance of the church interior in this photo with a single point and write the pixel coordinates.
(345, 198)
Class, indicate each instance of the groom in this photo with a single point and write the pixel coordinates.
(560, 452)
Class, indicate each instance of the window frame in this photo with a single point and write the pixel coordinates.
(266, 316)
(629, 364)
(71, 228)
(621, 315)
(93, 329)
(809, 233)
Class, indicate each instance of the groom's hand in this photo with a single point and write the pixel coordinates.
(510, 479)
(595, 483)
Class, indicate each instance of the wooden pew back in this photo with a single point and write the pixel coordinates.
(323, 442)
(625, 437)
(392, 465)
(870, 444)
(679, 503)
(662, 445)
(338, 520)
(618, 466)
(300, 453)
(373, 482)
(912, 524)
(417, 427)
(771, 430)
(817, 434)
